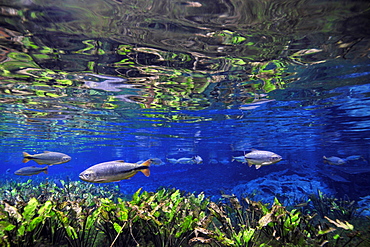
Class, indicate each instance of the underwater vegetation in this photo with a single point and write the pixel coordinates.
(74, 214)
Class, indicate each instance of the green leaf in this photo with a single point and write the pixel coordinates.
(117, 227)
(6, 226)
(71, 232)
(21, 230)
(136, 196)
(30, 209)
(248, 234)
(122, 215)
(34, 223)
(336, 236)
(45, 209)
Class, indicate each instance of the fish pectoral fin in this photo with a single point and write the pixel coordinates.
(40, 162)
(101, 180)
(25, 160)
(146, 172)
(258, 166)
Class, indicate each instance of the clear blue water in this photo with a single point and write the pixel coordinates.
(131, 81)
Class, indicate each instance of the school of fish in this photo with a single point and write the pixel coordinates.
(113, 171)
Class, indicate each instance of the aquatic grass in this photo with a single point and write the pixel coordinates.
(342, 209)
(164, 218)
(167, 217)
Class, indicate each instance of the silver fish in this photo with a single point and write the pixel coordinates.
(172, 160)
(261, 158)
(157, 161)
(355, 157)
(334, 160)
(197, 159)
(113, 171)
(47, 158)
(31, 170)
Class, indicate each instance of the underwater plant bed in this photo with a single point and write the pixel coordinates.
(168, 217)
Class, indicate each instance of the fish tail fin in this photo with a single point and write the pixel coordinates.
(46, 169)
(146, 170)
(26, 157)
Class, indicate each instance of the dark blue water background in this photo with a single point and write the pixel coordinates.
(170, 79)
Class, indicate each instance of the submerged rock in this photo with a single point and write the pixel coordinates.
(289, 189)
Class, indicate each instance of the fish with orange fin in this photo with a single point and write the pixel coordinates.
(47, 158)
(113, 171)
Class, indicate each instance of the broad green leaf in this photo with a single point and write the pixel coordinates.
(117, 227)
(30, 209)
(45, 209)
(21, 230)
(248, 234)
(122, 215)
(71, 232)
(136, 196)
(6, 226)
(34, 223)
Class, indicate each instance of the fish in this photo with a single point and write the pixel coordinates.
(334, 160)
(239, 159)
(185, 161)
(197, 159)
(261, 158)
(157, 161)
(355, 157)
(212, 161)
(31, 170)
(113, 171)
(47, 158)
(172, 160)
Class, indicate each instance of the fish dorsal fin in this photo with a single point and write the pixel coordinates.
(147, 163)
(253, 149)
(122, 161)
(47, 151)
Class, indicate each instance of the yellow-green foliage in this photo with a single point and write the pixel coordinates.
(167, 217)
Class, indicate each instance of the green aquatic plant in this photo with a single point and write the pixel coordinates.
(164, 218)
(168, 217)
(79, 222)
(23, 224)
(342, 209)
